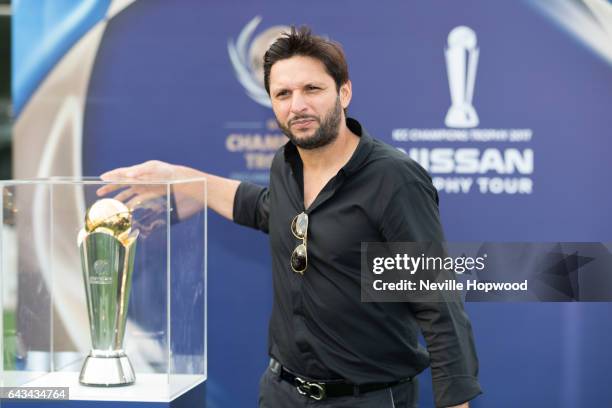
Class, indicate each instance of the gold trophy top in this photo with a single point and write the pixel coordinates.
(108, 216)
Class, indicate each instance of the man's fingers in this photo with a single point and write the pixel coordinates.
(108, 188)
(112, 175)
(139, 199)
(115, 174)
(143, 171)
(121, 174)
(125, 195)
(135, 202)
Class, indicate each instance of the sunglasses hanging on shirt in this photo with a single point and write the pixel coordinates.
(299, 257)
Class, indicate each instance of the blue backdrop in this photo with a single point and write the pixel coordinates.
(165, 86)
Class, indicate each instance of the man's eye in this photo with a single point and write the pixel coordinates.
(312, 88)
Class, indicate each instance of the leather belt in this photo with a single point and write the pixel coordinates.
(319, 390)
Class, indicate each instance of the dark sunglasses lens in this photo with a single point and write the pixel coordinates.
(298, 258)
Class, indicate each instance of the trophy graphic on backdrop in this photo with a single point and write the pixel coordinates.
(107, 244)
(461, 63)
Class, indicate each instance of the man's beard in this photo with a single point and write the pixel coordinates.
(324, 135)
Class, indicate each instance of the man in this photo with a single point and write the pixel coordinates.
(331, 188)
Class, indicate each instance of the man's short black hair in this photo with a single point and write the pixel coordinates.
(301, 41)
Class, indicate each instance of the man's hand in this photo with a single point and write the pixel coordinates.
(143, 195)
(134, 195)
(189, 196)
(464, 405)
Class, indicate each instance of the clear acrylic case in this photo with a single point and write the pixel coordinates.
(44, 317)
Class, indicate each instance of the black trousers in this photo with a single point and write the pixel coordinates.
(276, 393)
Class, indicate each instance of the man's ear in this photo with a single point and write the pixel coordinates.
(346, 93)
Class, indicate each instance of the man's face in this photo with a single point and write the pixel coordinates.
(307, 105)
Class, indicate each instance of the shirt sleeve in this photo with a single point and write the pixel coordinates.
(411, 215)
(252, 206)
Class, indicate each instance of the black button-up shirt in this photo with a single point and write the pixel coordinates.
(319, 327)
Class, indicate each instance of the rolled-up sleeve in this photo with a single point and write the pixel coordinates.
(454, 365)
(252, 206)
(411, 215)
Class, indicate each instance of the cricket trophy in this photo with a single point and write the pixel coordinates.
(107, 244)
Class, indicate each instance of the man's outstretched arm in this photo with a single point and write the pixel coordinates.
(221, 191)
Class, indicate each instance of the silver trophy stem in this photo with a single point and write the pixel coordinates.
(107, 271)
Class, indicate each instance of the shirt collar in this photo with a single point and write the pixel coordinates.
(357, 160)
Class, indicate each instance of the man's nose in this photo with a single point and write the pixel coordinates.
(298, 103)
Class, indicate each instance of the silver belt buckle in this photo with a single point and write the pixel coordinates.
(314, 390)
